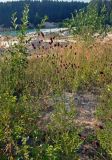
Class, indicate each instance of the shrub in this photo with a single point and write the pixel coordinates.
(104, 114)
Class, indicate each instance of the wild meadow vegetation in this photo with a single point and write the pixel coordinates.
(35, 122)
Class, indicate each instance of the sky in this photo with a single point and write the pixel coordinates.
(68, 0)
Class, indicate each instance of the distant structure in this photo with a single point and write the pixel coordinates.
(4, 29)
(51, 25)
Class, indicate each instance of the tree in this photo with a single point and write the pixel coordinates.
(57, 11)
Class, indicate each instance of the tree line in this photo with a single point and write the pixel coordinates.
(56, 11)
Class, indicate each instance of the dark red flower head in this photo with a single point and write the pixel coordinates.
(33, 45)
(42, 34)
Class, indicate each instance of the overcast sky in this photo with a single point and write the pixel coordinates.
(68, 0)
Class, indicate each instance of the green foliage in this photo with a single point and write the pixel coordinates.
(14, 20)
(88, 21)
(104, 115)
(42, 23)
(24, 20)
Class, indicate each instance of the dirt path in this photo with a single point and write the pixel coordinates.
(86, 103)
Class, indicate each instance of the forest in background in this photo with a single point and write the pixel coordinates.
(56, 11)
